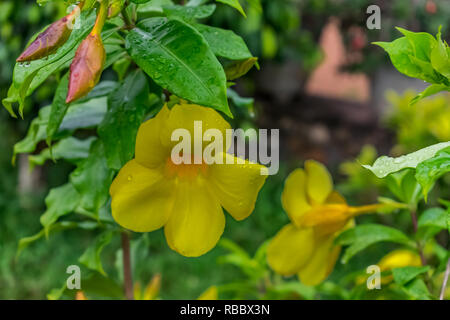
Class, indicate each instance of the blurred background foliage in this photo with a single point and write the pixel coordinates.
(278, 32)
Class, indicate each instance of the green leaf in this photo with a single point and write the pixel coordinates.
(60, 201)
(428, 171)
(404, 186)
(178, 58)
(127, 107)
(365, 235)
(27, 77)
(401, 54)
(406, 274)
(84, 115)
(433, 217)
(418, 290)
(237, 69)
(54, 228)
(225, 43)
(91, 258)
(421, 43)
(58, 109)
(189, 13)
(440, 58)
(429, 91)
(235, 4)
(385, 165)
(93, 171)
(70, 149)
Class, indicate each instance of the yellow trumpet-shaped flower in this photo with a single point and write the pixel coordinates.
(318, 214)
(151, 191)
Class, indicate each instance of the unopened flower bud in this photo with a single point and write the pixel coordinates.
(115, 7)
(86, 67)
(50, 40)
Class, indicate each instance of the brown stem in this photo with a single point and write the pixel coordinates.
(127, 276)
(419, 245)
(444, 282)
(129, 24)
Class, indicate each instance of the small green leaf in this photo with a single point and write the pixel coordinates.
(363, 236)
(429, 91)
(178, 58)
(237, 69)
(225, 43)
(235, 4)
(418, 290)
(91, 258)
(433, 217)
(428, 171)
(92, 171)
(127, 107)
(421, 42)
(385, 165)
(404, 186)
(406, 274)
(440, 58)
(60, 201)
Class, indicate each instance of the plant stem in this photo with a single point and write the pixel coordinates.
(419, 245)
(444, 283)
(127, 277)
(126, 18)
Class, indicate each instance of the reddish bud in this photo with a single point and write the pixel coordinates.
(86, 67)
(48, 41)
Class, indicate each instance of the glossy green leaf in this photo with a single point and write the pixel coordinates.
(189, 13)
(92, 171)
(235, 4)
(178, 58)
(70, 149)
(60, 201)
(362, 236)
(224, 43)
(127, 107)
(91, 258)
(428, 171)
(385, 165)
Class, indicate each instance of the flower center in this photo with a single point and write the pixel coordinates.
(187, 171)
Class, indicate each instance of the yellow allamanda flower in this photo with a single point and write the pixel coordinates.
(318, 214)
(151, 191)
(398, 259)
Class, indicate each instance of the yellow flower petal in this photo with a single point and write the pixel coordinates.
(150, 152)
(398, 259)
(322, 262)
(184, 116)
(336, 198)
(293, 197)
(290, 249)
(326, 214)
(319, 183)
(236, 185)
(197, 220)
(141, 198)
(152, 290)
(210, 294)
